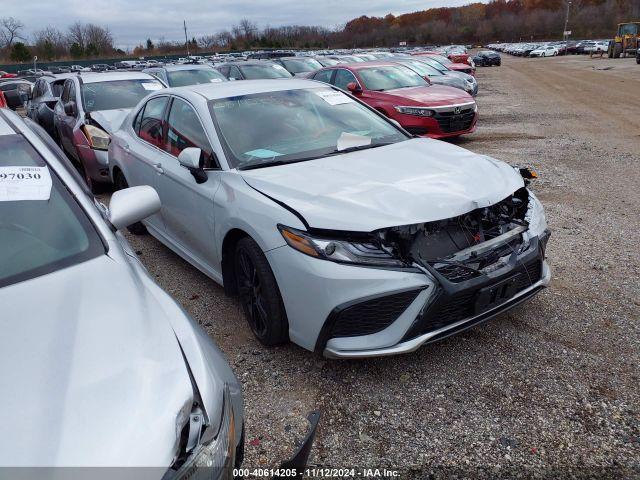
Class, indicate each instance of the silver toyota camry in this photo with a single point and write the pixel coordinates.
(98, 365)
(336, 228)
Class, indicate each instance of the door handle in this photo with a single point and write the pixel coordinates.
(158, 168)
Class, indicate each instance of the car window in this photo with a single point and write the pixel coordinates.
(389, 78)
(323, 76)
(181, 78)
(65, 92)
(184, 130)
(114, 94)
(56, 88)
(343, 78)
(234, 73)
(151, 127)
(40, 236)
(301, 65)
(268, 70)
(293, 125)
(224, 71)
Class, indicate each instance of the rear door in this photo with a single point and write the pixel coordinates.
(187, 207)
(66, 123)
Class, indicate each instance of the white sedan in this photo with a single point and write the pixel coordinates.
(545, 51)
(336, 228)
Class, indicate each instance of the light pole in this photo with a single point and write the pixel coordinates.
(565, 35)
(35, 59)
(186, 40)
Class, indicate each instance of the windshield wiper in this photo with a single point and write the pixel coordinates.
(360, 147)
(254, 165)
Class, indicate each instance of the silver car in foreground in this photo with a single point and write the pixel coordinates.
(335, 227)
(99, 366)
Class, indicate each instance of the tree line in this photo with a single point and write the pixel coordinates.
(477, 23)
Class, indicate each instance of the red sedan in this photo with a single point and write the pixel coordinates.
(398, 92)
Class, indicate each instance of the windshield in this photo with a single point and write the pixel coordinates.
(293, 125)
(268, 70)
(181, 78)
(390, 78)
(116, 94)
(302, 65)
(38, 236)
(433, 63)
(422, 68)
(442, 59)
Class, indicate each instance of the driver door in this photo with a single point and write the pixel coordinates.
(187, 207)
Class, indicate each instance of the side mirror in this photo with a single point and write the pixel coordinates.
(354, 88)
(132, 204)
(395, 122)
(191, 159)
(70, 108)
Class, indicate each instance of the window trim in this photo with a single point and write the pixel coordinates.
(335, 74)
(195, 110)
(164, 119)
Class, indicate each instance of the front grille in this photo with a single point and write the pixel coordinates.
(456, 273)
(450, 122)
(416, 130)
(449, 309)
(371, 316)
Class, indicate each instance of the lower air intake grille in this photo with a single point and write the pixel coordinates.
(371, 316)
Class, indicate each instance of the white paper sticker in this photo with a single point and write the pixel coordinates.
(24, 183)
(332, 97)
(215, 80)
(151, 86)
(351, 140)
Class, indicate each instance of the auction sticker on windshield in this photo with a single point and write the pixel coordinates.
(332, 97)
(24, 183)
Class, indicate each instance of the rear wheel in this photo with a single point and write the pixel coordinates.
(259, 294)
(136, 228)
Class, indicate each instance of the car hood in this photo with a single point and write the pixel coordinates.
(415, 181)
(110, 120)
(434, 95)
(92, 373)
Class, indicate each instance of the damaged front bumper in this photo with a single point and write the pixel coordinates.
(333, 350)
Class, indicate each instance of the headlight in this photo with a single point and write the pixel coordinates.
(98, 139)
(416, 111)
(339, 250)
(214, 458)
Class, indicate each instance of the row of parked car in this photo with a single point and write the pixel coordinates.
(310, 199)
(552, 49)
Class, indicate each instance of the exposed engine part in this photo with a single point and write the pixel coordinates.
(448, 245)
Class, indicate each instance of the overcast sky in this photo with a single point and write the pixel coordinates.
(132, 21)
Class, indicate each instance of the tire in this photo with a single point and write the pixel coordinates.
(135, 228)
(617, 50)
(259, 294)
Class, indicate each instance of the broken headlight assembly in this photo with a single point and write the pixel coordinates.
(98, 138)
(340, 250)
(216, 449)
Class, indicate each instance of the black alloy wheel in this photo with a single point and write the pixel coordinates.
(259, 294)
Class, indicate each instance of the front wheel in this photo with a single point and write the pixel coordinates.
(259, 294)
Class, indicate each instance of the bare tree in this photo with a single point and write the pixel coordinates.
(50, 43)
(10, 30)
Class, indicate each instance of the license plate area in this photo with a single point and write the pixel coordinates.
(496, 294)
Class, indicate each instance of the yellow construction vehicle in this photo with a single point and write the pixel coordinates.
(626, 41)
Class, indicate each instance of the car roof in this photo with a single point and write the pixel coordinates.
(114, 76)
(246, 87)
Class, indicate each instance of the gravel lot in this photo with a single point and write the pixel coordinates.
(548, 389)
